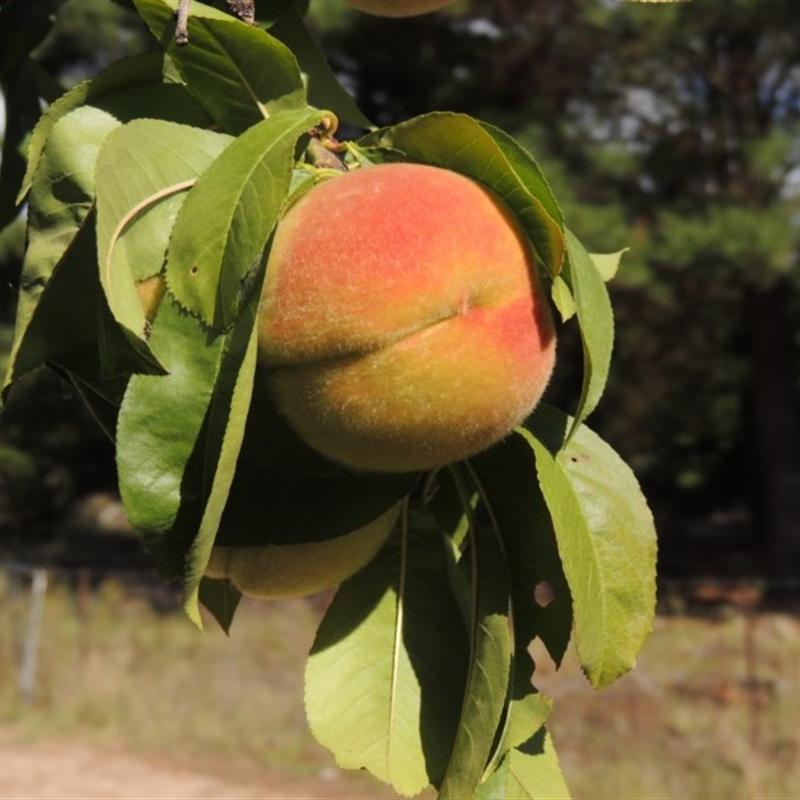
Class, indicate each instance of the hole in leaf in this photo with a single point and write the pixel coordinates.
(194, 270)
(544, 594)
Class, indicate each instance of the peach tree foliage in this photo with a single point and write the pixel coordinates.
(178, 163)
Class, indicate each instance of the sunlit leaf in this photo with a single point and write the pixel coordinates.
(160, 422)
(239, 73)
(385, 678)
(529, 772)
(223, 226)
(596, 319)
(144, 170)
(606, 541)
(607, 263)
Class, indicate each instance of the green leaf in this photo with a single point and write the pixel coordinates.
(127, 73)
(606, 540)
(224, 225)
(324, 88)
(509, 487)
(160, 423)
(71, 326)
(489, 664)
(221, 598)
(596, 320)
(223, 435)
(487, 155)
(144, 171)
(530, 772)
(61, 199)
(385, 677)
(607, 264)
(303, 508)
(239, 73)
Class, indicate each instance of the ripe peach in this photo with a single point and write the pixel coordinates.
(279, 572)
(402, 326)
(399, 8)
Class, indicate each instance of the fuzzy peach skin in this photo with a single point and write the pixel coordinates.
(402, 326)
(398, 8)
(281, 572)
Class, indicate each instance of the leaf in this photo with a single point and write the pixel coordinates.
(509, 486)
(222, 228)
(144, 171)
(606, 540)
(303, 508)
(160, 422)
(324, 88)
(530, 772)
(385, 677)
(71, 325)
(239, 73)
(221, 598)
(596, 320)
(486, 154)
(489, 663)
(127, 73)
(607, 264)
(61, 199)
(223, 437)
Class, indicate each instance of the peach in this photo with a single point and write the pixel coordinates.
(280, 572)
(402, 324)
(399, 8)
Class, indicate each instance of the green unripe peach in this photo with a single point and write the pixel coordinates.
(279, 572)
(402, 326)
(399, 8)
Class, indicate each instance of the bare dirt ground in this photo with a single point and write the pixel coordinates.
(62, 769)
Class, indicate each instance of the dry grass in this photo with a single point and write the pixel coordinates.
(696, 719)
(711, 711)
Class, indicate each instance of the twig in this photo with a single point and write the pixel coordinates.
(182, 22)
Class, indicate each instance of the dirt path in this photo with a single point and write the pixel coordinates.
(61, 770)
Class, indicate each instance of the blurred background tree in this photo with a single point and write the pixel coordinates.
(669, 129)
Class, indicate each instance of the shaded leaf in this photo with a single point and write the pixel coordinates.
(606, 540)
(509, 486)
(324, 88)
(221, 598)
(303, 508)
(223, 226)
(489, 664)
(224, 431)
(71, 325)
(385, 679)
